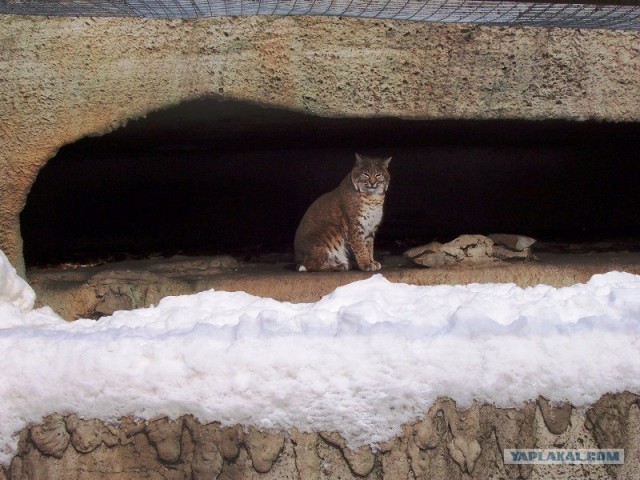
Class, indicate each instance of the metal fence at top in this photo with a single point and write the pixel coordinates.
(615, 14)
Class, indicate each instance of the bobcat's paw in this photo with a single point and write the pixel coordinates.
(372, 267)
(343, 267)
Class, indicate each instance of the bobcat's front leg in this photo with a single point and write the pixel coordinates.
(369, 243)
(364, 259)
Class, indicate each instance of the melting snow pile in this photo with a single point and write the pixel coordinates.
(362, 361)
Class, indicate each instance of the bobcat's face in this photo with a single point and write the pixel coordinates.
(370, 175)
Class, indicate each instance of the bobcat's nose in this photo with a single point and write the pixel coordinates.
(372, 185)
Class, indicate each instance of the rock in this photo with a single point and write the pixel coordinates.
(464, 426)
(306, 455)
(334, 439)
(446, 443)
(509, 246)
(632, 447)
(464, 452)
(228, 441)
(503, 253)
(395, 460)
(86, 435)
(361, 460)
(263, 448)
(207, 459)
(129, 428)
(112, 298)
(433, 247)
(24, 446)
(556, 416)
(207, 462)
(608, 418)
(16, 469)
(429, 255)
(513, 428)
(467, 249)
(472, 249)
(517, 243)
(166, 435)
(110, 436)
(428, 432)
(438, 259)
(51, 438)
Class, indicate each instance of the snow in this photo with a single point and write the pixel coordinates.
(13, 289)
(362, 361)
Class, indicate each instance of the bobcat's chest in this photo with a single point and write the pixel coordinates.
(369, 217)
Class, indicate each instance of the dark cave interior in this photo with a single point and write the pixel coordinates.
(215, 176)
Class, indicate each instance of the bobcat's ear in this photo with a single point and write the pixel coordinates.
(385, 162)
(359, 160)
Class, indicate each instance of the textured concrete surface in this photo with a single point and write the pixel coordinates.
(65, 78)
(447, 443)
(91, 292)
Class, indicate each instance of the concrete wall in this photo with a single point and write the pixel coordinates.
(65, 78)
(447, 444)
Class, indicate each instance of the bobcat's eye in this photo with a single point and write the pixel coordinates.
(378, 175)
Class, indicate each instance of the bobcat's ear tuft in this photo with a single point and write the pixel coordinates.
(385, 162)
(359, 160)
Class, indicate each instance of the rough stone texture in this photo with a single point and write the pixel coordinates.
(465, 249)
(556, 417)
(446, 443)
(51, 437)
(166, 435)
(65, 78)
(207, 459)
(360, 460)
(472, 249)
(508, 246)
(305, 447)
(503, 253)
(263, 448)
(86, 435)
(95, 291)
(517, 243)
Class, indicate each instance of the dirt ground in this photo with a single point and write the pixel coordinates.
(93, 291)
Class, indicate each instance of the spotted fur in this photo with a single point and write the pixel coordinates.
(339, 228)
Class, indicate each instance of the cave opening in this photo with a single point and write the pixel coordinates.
(214, 176)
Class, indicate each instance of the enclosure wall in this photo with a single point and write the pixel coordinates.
(65, 78)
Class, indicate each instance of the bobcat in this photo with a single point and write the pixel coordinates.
(339, 227)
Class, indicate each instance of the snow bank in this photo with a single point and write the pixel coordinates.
(13, 289)
(362, 361)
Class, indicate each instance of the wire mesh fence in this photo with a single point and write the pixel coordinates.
(618, 14)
